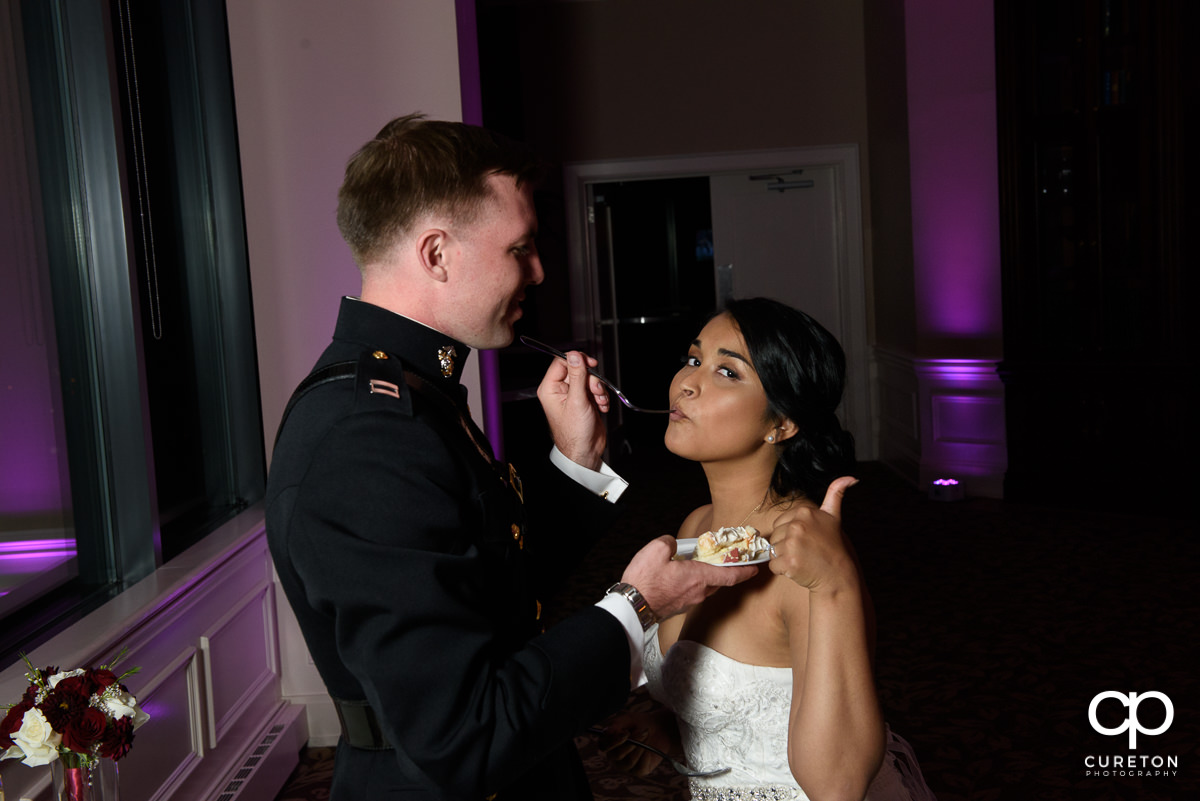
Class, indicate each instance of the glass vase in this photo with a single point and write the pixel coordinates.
(95, 783)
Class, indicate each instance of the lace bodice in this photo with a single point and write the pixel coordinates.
(735, 714)
(729, 712)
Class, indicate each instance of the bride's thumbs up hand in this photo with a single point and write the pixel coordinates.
(807, 543)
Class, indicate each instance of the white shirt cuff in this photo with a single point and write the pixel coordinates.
(620, 608)
(603, 482)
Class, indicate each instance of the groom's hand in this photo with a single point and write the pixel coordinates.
(671, 587)
(574, 402)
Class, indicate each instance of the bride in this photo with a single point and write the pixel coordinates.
(773, 677)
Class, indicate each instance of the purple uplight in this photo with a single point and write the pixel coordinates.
(946, 482)
(952, 133)
(34, 556)
(39, 567)
(28, 547)
(471, 96)
(49, 556)
(159, 710)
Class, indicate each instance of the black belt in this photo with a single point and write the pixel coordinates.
(360, 726)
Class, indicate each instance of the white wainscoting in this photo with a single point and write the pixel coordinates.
(899, 421)
(203, 630)
(943, 418)
(302, 684)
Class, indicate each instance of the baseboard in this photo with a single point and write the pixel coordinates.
(320, 717)
(264, 769)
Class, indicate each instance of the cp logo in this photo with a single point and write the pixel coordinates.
(1131, 723)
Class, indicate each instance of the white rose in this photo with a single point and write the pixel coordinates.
(57, 677)
(120, 704)
(36, 739)
(140, 715)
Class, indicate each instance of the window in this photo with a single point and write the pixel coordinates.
(129, 416)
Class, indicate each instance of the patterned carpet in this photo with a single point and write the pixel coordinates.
(998, 624)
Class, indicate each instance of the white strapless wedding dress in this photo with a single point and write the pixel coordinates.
(744, 726)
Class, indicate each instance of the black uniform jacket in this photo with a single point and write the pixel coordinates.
(415, 573)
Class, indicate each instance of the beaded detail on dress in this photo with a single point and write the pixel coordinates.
(772, 793)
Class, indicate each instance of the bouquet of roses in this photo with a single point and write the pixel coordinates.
(79, 715)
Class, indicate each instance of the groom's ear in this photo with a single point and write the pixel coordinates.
(432, 248)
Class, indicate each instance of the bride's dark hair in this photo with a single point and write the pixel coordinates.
(803, 370)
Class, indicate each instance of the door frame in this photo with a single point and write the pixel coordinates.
(852, 284)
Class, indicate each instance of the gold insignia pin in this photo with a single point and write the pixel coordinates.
(514, 481)
(446, 357)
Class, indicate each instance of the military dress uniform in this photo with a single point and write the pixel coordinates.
(415, 564)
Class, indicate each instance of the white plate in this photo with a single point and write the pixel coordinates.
(686, 549)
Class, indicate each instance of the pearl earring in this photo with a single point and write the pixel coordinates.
(771, 438)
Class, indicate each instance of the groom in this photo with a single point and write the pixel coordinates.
(413, 560)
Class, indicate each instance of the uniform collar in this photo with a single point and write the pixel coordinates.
(429, 352)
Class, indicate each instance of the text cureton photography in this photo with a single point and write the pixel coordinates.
(1131, 764)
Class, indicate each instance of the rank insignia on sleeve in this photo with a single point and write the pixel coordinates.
(379, 387)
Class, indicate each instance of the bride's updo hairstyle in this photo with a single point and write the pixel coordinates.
(803, 370)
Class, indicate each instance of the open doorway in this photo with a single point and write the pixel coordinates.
(654, 288)
(782, 224)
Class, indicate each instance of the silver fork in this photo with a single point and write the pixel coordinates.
(544, 348)
(679, 766)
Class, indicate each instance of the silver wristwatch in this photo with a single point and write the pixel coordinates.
(629, 592)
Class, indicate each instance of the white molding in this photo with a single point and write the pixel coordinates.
(898, 420)
(163, 620)
(942, 418)
(255, 604)
(187, 666)
(963, 432)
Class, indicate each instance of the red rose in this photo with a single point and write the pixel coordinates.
(84, 730)
(103, 678)
(12, 723)
(117, 739)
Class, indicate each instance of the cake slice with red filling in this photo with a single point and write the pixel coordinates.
(731, 545)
